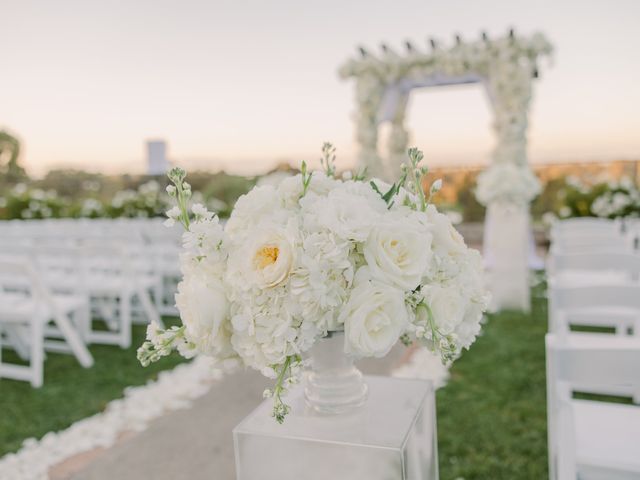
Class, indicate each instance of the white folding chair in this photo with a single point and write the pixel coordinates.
(164, 244)
(113, 285)
(27, 308)
(592, 440)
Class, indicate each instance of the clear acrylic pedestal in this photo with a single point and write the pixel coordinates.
(392, 437)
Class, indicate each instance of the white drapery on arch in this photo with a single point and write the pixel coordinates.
(506, 67)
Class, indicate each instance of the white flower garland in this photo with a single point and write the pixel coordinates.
(173, 390)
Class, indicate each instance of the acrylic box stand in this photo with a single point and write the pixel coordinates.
(392, 437)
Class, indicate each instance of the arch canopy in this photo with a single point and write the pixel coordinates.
(506, 67)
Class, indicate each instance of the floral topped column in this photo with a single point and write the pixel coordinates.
(507, 67)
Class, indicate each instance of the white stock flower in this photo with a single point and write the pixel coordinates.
(173, 212)
(199, 210)
(374, 317)
(204, 248)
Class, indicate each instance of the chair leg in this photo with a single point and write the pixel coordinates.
(0, 350)
(37, 353)
(126, 299)
(158, 293)
(149, 309)
(74, 340)
(17, 336)
(84, 320)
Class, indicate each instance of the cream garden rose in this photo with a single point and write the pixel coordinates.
(265, 260)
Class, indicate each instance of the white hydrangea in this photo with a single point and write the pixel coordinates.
(321, 280)
(507, 182)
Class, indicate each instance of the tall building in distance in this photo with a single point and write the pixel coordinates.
(157, 163)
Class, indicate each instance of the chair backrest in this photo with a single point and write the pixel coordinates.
(612, 363)
(104, 258)
(19, 274)
(587, 243)
(594, 296)
(62, 259)
(585, 225)
(564, 299)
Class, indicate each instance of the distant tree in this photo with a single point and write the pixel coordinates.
(10, 170)
(472, 210)
(75, 183)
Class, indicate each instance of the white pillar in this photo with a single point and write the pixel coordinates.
(507, 231)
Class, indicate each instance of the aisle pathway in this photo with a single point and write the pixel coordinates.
(194, 444)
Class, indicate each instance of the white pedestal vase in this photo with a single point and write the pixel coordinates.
(507, 250)
(342, 426)
(334, 384)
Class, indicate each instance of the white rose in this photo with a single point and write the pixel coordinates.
(204, 309)
(447, 306)
(374, 317)
(398, 252)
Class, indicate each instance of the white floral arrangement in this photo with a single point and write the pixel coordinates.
(599, 198)
(316, 254)
(622, 199)
(507, 183)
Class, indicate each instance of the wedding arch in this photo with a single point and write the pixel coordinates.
(507, 67)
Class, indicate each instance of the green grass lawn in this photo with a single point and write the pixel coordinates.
(492, 414)
(70, 392)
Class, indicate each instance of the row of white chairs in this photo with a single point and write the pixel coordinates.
(56, 278)
(593, 347)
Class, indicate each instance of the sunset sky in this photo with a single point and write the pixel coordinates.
(241, 85)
